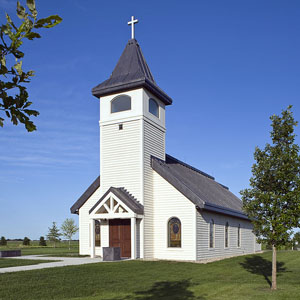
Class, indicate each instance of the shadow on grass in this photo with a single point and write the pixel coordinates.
(261, 266)
(175, 290)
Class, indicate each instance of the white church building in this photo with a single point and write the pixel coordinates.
(146, 202)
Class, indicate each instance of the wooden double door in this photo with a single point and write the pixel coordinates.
(120, 235)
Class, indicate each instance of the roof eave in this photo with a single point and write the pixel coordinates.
(104, 91)
(85, 196)
(225, 211)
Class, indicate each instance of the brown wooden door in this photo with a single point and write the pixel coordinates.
(120, 235)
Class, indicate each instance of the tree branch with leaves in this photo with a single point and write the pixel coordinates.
(14, 98)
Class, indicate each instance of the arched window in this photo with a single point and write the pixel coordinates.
(153, 107)
(239, 236)
(121, 103)
(226, 235)
(211, 233)
(174, 233)
(97, 234)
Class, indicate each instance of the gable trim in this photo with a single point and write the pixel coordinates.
(85, 196)
(126, 198)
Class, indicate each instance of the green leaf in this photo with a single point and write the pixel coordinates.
(18, 54)
(8, 19)
(31, 35)
(21, 12)
(1, 122)
(31, 5)
(30, 112)
(27, 104)
(3, 61)
(30, 126)
(14, 119)
(48, 22)
(18, 67)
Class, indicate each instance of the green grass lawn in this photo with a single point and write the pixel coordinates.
(246, 277)
(13, 262)
(62, 248)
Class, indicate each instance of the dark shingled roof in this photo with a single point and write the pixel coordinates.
(125, 197)
(199, 187)
(131, 72)
(85, 196)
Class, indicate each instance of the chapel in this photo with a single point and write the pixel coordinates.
(151, 204)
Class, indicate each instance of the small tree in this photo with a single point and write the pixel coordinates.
(3, 241)
(273, 203)
(68, 229)
(42, 241)
(53, 234)
(26, 241)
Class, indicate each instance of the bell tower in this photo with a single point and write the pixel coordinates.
(132, 129)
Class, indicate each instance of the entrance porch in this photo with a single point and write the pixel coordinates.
(116, 220)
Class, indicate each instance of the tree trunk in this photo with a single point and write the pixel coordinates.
(69, 245)
(274, 270)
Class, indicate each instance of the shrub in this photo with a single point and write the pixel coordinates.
(26, 241)
(3, 241)
(42, 241)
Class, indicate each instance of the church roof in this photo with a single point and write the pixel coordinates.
(199, 187)
(131, 72)
(85, 196)
(125, 197)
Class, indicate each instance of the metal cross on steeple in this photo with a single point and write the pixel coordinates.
(132, 22)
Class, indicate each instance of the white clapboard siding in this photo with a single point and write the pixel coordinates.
(84, 223)
(169, 202)
(154, 144)
(121, 157)
(219, 250)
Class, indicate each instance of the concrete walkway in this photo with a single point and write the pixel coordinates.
(59, 262)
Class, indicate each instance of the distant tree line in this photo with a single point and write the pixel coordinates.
(68, 229)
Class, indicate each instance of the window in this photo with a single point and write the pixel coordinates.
(120, 103)
(211, 234)
(239, 236)
(226, 235)
(174, 233)
(153, 107)
(97, 234)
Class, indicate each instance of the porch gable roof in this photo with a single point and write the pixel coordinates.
(125, 197)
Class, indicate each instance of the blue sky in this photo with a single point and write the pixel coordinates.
(228, 65)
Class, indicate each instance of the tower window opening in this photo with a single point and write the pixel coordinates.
(120, 103)
(153, 107)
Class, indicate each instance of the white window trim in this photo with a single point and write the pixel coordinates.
(239, 236)
(174, 248)
(228, 239)
(214, 235)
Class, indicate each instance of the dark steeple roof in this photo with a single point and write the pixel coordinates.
(131, 72)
